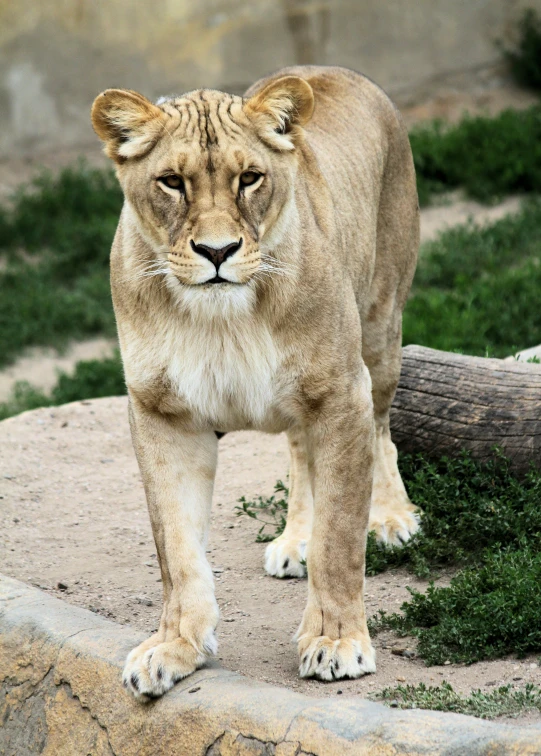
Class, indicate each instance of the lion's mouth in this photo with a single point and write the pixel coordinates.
(219, 280)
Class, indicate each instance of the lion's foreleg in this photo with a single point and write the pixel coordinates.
(178, 470)
(333, 639)
(286, 555)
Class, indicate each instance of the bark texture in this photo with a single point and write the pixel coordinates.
(447, 402)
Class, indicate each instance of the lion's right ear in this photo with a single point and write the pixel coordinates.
(280, 108)
(127, 122)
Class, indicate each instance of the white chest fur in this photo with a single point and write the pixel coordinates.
(224, 372)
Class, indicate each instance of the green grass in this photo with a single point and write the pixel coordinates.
(488, 611)
(476, 289)
(487, 157)
(90, 380)
(53, 295)
(270, 511)
(505, 701)
(56, 233)
(55, 238)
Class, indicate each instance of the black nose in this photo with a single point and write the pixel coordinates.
(216, 256)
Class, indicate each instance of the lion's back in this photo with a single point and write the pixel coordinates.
(352, 115)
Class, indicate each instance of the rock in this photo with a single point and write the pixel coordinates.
(527, 354)
(405, 652)
(144, 600)
(62, 586)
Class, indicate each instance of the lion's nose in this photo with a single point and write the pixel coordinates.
(216, 255)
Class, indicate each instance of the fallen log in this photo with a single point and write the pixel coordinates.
(446, 402)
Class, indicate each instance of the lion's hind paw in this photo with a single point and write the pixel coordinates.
(285, 557)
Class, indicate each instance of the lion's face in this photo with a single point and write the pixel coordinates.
(207, 175)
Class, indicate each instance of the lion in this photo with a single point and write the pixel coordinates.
(259, 271)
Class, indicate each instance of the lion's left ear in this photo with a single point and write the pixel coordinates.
(128, 123)
(280, 108)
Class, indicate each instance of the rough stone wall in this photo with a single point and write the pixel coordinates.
(61, 695)
(56, 55)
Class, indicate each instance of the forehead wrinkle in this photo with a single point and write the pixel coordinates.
(213, 125)
(222, 119)
(201, 122)
(193, 119)
(230, 121)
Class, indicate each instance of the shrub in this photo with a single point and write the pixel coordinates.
(488, 611)
(90, 380)
(488, 157)
(525, 60)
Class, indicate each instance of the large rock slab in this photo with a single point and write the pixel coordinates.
(61, 695)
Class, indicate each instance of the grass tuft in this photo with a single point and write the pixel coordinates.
(271, 512)
(505, 701)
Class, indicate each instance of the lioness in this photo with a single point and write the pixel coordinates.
(262, 260)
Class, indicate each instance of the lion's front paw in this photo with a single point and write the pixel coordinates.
(285, 557)
(328, 659)
(153, 668)
(395, 527)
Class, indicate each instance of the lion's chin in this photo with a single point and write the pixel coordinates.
(209, 301)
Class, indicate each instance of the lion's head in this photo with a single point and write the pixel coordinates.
(207, 174)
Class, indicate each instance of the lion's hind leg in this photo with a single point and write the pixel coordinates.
(392, 515)
(286, 555)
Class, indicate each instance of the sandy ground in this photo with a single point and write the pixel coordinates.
(72, 510)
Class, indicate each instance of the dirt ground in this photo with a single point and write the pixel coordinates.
(72, 511)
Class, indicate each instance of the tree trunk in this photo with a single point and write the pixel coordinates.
(446, 402)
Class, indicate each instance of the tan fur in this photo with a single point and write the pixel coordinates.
(304, 337)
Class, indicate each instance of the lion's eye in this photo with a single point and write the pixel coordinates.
(172, 182)
(248, 178)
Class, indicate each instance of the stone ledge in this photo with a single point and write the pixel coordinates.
(61, 695)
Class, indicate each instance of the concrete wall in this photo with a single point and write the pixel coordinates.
(56, 55)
